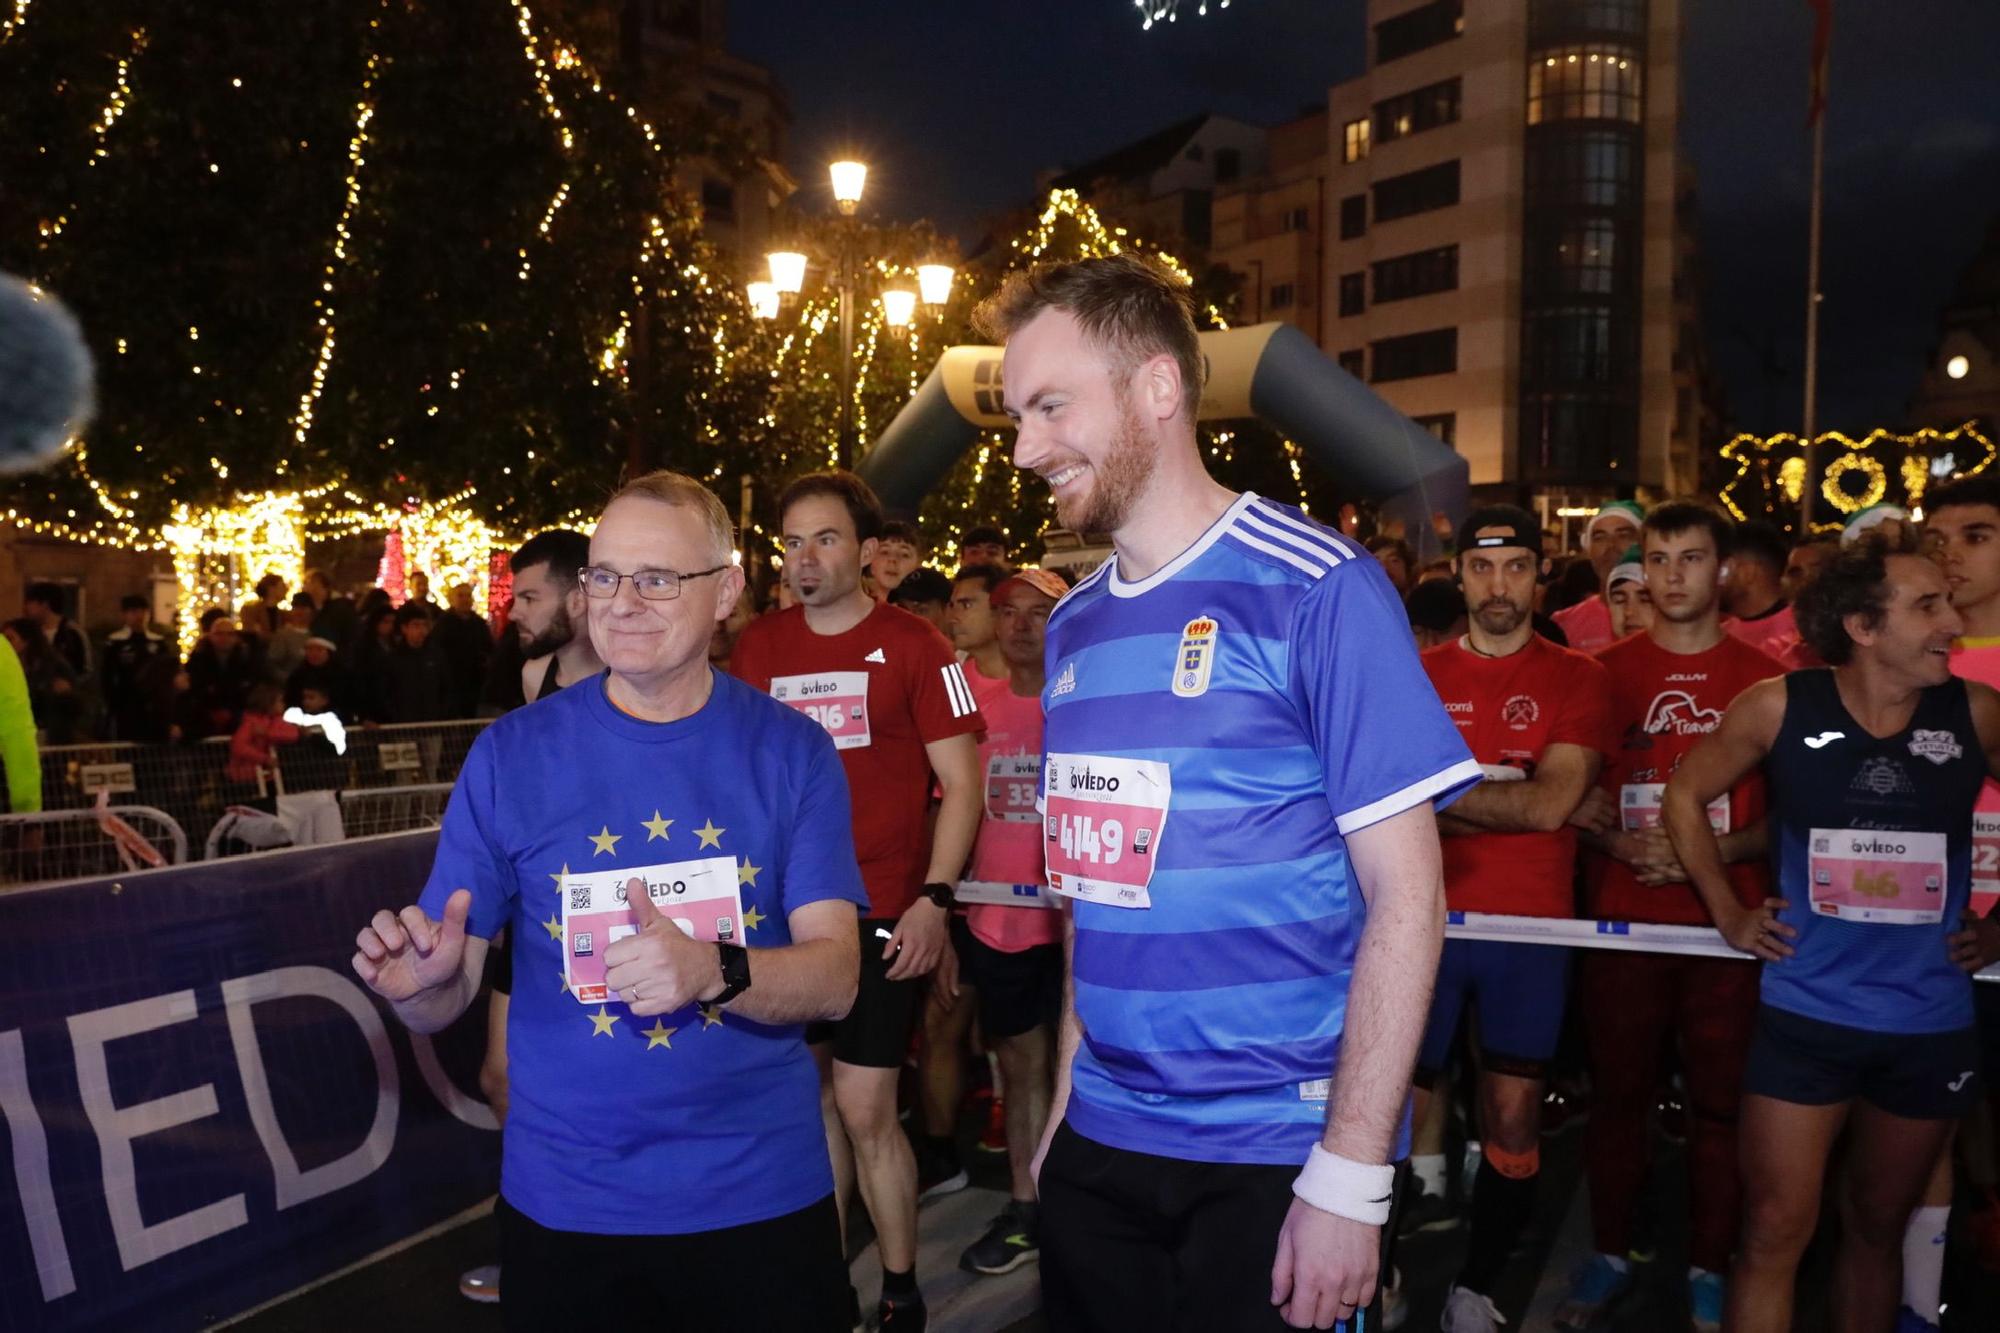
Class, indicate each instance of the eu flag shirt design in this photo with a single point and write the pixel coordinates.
(689, 1121)
(1215, 733)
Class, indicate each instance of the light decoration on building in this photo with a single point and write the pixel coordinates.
(1167, 11)
(1771, 469)
(221, 552)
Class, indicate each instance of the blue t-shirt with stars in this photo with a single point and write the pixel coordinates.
(696, 1120)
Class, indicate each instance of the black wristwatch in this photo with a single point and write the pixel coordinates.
(735, 972)
(944, 895)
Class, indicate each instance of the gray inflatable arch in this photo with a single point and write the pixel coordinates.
(1271, 372)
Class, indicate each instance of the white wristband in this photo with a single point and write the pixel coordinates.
(1333, 1184)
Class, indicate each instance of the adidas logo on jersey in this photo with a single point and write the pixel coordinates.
(877, 658)
(1065, 682)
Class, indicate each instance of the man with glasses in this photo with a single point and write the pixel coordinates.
(886, 687)
(663, 1156)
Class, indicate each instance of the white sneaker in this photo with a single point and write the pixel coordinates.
(1469, 1312)
(481, 1284)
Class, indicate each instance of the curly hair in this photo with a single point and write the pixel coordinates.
(1854, 583)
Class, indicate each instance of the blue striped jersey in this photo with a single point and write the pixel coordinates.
(1264, 689)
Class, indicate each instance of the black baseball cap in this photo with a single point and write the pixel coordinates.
(1502, 525)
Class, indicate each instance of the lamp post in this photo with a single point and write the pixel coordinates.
(788, 275)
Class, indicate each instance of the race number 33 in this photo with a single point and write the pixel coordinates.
(1103, 818)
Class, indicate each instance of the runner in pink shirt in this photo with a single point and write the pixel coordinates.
(1615, 527)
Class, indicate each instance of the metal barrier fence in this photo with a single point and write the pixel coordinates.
(192, 785)
(74, 844)
(368, 811)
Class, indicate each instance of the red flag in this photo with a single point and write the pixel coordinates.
(1822, 34)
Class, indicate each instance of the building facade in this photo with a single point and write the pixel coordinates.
(1961, 381)
(1495, 238)
(690, 74)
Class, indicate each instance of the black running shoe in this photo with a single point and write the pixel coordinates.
(1012, 1239)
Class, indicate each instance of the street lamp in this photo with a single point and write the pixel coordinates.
(898, 304)
(848, 179)
(934, 282)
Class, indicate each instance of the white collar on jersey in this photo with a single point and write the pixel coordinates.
(1119, 587)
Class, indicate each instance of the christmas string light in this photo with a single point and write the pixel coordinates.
(1933, 454)
(120, 99)
(1167, 11)
(531, 48)
(364, 111)
(8, 27)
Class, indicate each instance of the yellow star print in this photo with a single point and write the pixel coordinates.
(659, 1035)
(554, 926)
(558, 876)
(606, 842)
(657, 827)
(601, 1021)
(711, 1014)
(710, 835)
(747, 873)
(752, 919)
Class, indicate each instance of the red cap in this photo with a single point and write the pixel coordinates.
(1043, 581)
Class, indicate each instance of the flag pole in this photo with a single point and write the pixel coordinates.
(1822, 32)
(1811, 412)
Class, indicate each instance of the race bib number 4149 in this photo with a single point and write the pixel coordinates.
(1102, 821)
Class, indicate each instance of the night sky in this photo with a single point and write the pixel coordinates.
(957, 105)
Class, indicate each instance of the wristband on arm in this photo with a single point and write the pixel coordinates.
(1333, 1184)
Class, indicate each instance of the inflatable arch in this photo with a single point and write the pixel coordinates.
(1272, 372)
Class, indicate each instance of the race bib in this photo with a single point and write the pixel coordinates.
(837, 700)
(698, 896)
(1101, 826)
(1012, 783)
(995, 894)
(1639, 808)
(1894, 879)
(1986, 851)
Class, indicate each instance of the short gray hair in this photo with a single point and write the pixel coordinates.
(684, 492)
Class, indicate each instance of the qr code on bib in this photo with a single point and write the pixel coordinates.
(579, 897)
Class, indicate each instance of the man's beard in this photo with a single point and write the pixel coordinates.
(559, 633)
(1500, 617)
(1116, 483)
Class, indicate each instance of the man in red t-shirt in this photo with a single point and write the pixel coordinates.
(1587, 625)
(1534, 717)
(886, 687)
(1754, 596)
(1669, 688)
(1014, 953)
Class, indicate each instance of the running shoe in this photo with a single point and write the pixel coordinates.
(1424, 1211)
(993, 1139)
(1467, 1311)
(1909, 1321)
(1594, 1288)
(481, 1284)
(1705, 1295)
(907, 1316)
(1012, 1239)
(938, 1173)
(1562, 1111)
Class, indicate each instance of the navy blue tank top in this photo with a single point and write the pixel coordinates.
(1872, 850)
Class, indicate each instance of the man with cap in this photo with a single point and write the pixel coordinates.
(1013, 946)
(1615, 527)
(1625, 594)
(1895, 517)
(1533, 715)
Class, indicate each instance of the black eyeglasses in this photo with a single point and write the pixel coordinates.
(653, 585)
